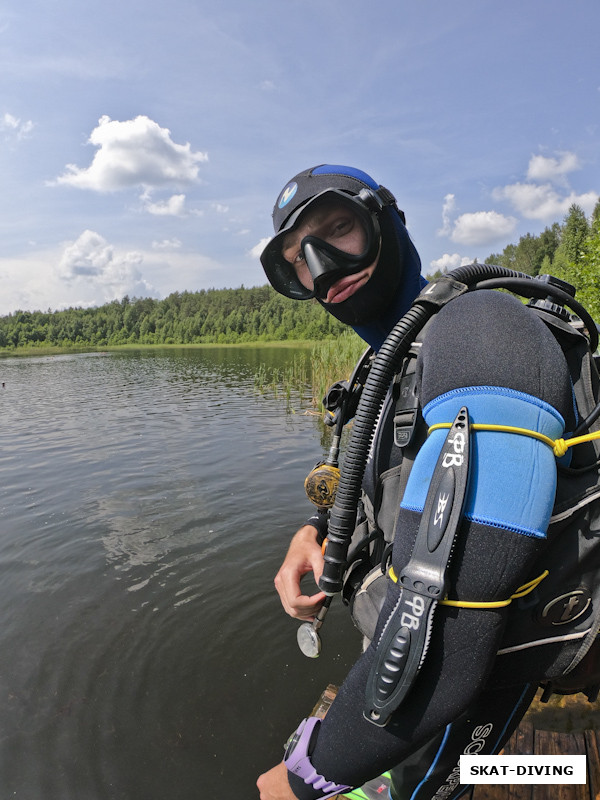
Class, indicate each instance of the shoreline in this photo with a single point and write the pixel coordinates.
(46, 350)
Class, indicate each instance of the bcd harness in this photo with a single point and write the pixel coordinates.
(559, 608)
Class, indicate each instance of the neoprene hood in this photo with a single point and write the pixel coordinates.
(396, 280)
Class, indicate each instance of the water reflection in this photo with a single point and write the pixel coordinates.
(147, 499)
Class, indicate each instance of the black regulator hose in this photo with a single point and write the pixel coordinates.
(342, 518)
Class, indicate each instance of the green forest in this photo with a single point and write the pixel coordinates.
(569, 250)
(222, 316)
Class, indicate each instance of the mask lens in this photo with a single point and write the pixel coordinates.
(335, 224)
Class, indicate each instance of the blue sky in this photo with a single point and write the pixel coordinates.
(142, 144)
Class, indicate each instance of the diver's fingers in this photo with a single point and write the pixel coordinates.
(304, 556)
(305, 607)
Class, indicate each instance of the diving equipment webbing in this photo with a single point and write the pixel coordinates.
(405, 637)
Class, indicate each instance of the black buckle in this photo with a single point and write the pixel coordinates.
(406, 413)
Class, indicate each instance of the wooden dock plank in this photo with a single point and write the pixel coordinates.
(503, 791)
(529, 740)
(522, 741)
(592, 743)
(553, 743)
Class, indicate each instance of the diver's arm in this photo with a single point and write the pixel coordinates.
(303, 556)
(500, 542)
(461, 653)
(490, 564)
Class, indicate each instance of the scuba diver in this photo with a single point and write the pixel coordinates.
(448, 486)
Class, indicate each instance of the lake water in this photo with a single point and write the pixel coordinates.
(147, 499)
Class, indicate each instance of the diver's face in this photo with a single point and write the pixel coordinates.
(338, 225)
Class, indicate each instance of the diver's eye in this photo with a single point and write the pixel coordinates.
(293, 255)
(343, 226)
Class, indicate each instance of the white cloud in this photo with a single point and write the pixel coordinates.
(476, 228)
(14, 125)
(167, 244)
(27, 283)
(89, 255)
(173, 207)
(448, 262)
(85, 273)
(482, 227)
(91, 271)
(447, 209)
(255, 251)
(542, 169)
(543, 202)
(92, 261)
(135, 152)
(546, 194)
(220, 208)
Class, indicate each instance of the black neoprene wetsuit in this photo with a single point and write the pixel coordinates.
(486, 351)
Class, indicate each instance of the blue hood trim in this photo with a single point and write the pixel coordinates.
(337, 169)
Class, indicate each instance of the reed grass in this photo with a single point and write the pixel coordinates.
(333, 360)
(291, 380)
(311, 372)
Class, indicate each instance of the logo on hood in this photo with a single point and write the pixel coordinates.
(287, 194)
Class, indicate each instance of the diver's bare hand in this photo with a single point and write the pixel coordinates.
(274, 784)
(303, 556)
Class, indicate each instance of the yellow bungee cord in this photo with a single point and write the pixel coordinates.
(559, 446)
(521, 592)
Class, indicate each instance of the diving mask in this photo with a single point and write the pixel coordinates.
(333, 235)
